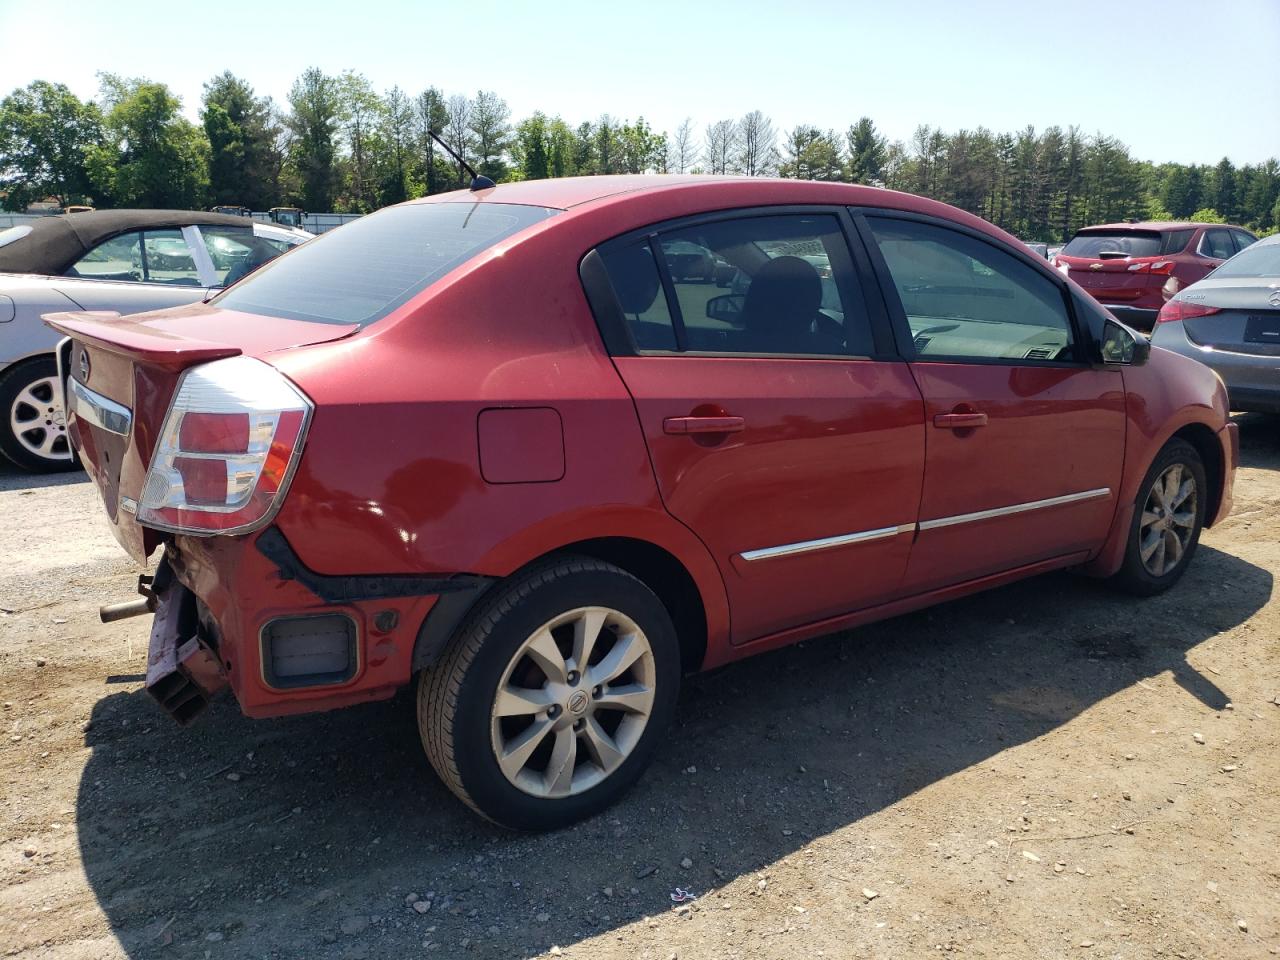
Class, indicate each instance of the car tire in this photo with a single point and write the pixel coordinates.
(594, 733)
(33, 420)
(1162, 541)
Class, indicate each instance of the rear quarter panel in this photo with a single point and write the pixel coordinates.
(391, 480)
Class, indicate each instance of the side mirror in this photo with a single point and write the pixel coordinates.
(726, 308)
(1120, 345)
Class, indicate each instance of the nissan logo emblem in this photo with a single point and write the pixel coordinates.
(84, 366)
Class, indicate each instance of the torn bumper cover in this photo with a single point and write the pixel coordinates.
(183, 673)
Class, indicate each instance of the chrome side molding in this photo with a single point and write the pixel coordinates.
(1016, 508)
(807, 546)
(883, 533)
(95, 409)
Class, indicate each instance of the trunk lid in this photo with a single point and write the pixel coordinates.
(1247, 322)
(1113, 280)
(120, 374)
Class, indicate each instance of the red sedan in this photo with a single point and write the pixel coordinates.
(495, 441)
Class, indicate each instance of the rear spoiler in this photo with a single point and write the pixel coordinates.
(109, 331)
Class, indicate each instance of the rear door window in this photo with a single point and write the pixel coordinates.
(965, 298)
(780, 285)
(767, 285)
(1217, 244)
(364, 270)
(167, 259)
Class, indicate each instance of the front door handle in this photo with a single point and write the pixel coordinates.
(960, 421)
(718, 424)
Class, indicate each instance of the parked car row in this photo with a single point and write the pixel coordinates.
(518, 445)
(1231, 322)
(124, 261)
(1134, 268)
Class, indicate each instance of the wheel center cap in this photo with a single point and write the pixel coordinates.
(577, 704)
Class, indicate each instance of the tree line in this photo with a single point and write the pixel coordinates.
(338, 144)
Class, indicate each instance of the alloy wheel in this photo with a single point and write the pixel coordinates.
(1168, 520)
(573, 702)
(38, 420)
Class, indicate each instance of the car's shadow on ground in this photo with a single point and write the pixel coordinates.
(329, 821)
(14, 478)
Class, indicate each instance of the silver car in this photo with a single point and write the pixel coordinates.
(126, 261)
(1230, 320)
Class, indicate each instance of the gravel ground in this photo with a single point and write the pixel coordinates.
(1047, 770)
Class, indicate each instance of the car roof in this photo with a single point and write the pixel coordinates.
(1155, 225)
(629, 201)
(561, 193)
(55, 243)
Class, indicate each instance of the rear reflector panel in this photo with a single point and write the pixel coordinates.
(309, 651)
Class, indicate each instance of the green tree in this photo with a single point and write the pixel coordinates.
(362, 113)
(314, 107)
(1224, 188)
(44, 133)
(1207, 215)
(866, 152)
(397, 138)
(151, 156)
(811, 154)
(430, 113)
(641, 150)
(245, 158)
(531, 148)
(491, 133)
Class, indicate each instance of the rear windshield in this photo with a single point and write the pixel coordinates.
(362, 271)
(1259, 260)
(1128, 243)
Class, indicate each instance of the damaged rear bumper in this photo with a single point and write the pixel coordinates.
(183, 672)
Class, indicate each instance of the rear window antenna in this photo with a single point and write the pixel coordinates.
(477, 182)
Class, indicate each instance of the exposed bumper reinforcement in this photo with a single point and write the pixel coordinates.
(183, 674)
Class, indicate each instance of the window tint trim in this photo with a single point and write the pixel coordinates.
(902, 328)
(615, 331)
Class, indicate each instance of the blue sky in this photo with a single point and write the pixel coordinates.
(1185, 80)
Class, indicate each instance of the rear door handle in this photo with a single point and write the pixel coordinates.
(686, 425)
(960, 421)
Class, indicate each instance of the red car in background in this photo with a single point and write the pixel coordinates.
(494, 441)
(1133, 268)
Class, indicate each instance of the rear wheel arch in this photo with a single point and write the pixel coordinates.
(656, 567)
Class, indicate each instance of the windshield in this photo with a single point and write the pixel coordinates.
(13, 233)
(1259, 260)
(362, 271)
(1128, 243)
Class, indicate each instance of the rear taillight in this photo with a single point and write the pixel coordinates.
(1179, 310)
(227, 449)
(1161, 268)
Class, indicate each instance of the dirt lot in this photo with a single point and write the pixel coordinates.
(1016, 775)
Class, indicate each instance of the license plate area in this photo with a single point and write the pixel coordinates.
(1262, 329)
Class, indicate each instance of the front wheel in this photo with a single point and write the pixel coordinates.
(1167, 523)
(550, 701)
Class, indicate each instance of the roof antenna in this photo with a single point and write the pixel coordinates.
(477, 182)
